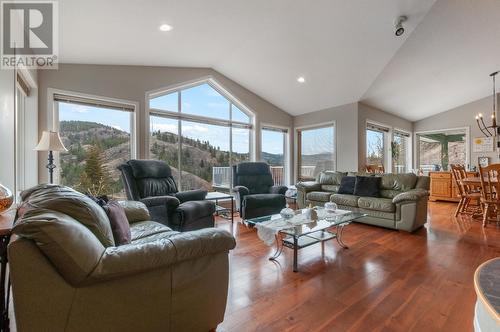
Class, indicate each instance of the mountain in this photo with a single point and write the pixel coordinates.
(272, 159)
(79, 136)
(198, 157)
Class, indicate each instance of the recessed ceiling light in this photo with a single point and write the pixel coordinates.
(301, 79)
(165, 27)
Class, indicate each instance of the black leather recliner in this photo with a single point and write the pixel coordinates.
(151, 182)
(255, 191)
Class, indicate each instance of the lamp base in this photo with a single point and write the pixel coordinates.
(50, 166)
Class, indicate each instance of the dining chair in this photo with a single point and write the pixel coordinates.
(466, 192)
(375, 169)
(490, 189)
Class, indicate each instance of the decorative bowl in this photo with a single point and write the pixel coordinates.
(287, 213)
(330, 207)
(6, 198)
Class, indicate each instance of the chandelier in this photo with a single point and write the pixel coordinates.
(495, 130)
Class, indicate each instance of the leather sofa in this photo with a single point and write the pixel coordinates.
(151, 182)
(256, 194)
(68, 275)
(402, 203)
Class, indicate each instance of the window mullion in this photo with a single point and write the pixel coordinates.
(231, 144)
(179, 134)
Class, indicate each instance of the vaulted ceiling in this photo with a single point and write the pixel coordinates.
(345, 50)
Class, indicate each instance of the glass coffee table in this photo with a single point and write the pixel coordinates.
(308, 233)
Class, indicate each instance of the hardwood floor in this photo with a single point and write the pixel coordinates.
(386, 281)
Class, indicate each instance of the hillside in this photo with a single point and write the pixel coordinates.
(78, 137)
(198, 157)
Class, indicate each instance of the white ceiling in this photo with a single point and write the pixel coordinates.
(346, 49)
(445, 63)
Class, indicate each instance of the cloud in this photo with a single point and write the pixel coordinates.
(223, 105)
(74, 108)
(117, 127)
(163, 127)
(241, 132)
(194, 129)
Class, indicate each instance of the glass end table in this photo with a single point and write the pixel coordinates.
(218, 196)
(308, 233)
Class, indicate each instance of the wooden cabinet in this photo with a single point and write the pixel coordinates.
(443, 187)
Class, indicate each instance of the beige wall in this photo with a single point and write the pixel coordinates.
(368, 113)
(132, 83)
(462, 116)
(346, 132)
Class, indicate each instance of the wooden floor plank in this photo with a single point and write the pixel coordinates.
(386, 281)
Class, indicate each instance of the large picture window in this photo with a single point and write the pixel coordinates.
(200, 133)
(273, 144)
(316, 151)
(98, 138)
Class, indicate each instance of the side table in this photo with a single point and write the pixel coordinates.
(6, 222)
(217, 196)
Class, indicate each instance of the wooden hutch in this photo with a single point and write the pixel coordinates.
(443, 187)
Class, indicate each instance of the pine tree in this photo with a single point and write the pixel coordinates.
(95, 178)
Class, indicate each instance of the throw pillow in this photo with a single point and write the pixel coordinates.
(347, 185)
(118, 220)
(367, 186)
(119, 223)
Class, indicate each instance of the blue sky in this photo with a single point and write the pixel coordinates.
(116, 119)
(371, 141)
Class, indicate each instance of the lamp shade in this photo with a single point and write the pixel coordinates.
(50, 141)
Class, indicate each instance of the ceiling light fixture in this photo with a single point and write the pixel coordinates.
(495, 129)
(301, 79)
(165, 27)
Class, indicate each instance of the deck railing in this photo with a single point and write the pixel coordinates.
(221, 176)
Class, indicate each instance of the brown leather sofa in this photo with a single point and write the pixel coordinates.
(68, 275)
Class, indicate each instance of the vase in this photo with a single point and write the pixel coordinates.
(6, 198)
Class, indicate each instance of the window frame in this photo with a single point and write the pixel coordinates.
(286, 147)
(297, 143)
(179, 116)
(20, 151)
(408, 157)
(53, 119)
(416, 152)
(386, 139)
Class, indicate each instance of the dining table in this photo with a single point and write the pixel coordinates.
(475, 181)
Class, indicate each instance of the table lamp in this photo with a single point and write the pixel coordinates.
(50, 141)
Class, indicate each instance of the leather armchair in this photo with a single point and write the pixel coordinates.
(162, 281)
(256, 194)
(151, 182)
